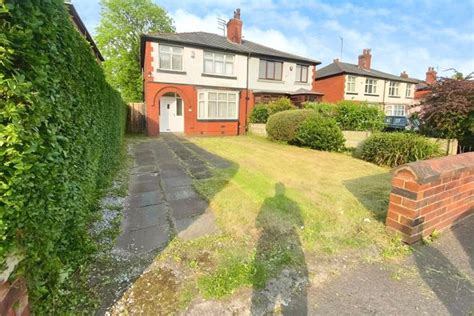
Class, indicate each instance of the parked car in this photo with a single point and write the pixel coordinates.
(401, 123)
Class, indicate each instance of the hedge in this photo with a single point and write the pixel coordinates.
(321, 133)
(283, 126)
(262, 111)
(351, 116)
(394, 149)
(259, 113)
(61, 132)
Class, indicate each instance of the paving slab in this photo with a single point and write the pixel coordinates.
(187, 208)
(143, 186)
(191, 228)
(146, 198)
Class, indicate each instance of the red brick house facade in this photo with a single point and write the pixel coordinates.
(200, 83)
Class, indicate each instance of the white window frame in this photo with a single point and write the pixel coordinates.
(395, 110)
(370, 86)
(394, 89)
(408, 90)
(172, 53)
(351, 84)
(205, 97)
(226, 60)
(299, 73)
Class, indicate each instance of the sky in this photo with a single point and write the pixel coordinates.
(409, 35)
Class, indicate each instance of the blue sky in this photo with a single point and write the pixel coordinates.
(405, 35)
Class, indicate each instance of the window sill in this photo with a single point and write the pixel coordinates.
(219, 76)
(352, 93)
(394, 96)
(178, 72)
(270, 80)
(371, 95)
(408, 97)
(218, 120)
(302, 83)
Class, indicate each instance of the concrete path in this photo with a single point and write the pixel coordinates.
(162, 202)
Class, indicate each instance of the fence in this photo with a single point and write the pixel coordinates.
(136, 120)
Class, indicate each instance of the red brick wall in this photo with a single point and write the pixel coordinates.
(431, 195)
(332, 87)
(14, 298)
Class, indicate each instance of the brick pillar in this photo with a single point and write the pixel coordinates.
(431, 195)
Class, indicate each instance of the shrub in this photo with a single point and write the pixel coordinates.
(322, 133)
(283, 126)
(279, 105)
(322, 108)
(62, 131)
(394, 149)
(259, 113)
(351, 116)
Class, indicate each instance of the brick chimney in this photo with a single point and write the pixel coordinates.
(404, 75)
(431, 75)
(234, 28)
(365, 59)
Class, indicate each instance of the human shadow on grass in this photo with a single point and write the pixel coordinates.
(279, 253)
(372, 192)
(454, 289)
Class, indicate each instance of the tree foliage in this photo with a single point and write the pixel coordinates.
(61, 132)
(448, 110)
(118, 38)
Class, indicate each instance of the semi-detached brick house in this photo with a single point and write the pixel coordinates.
(206, 84)
(343, 81)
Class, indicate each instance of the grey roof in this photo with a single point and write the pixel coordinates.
(219, 42)
(338, 67)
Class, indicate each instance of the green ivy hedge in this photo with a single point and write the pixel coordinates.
(283, 126)
(61, 134)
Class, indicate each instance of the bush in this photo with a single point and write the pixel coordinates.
(259, 114)
(282, 104)
(62, 132)
(351, 116)
(322, 133)
(283, 126)
(394, 149)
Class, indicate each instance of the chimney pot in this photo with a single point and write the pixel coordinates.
(336, 60)
(234, 28)
(404, 74)
(431, 75)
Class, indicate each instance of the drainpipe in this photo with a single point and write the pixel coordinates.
(247, 94)
(383, 97)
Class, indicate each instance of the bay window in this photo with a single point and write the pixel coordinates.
(218, 64)
(170, 57)
(271, 70)
(217, 105)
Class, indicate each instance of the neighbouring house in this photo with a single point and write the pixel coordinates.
(423, 87)
(76, 19)
(206, 84)
(343, 81)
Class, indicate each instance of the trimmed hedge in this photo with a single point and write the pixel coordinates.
(351, 116)
(259, 113)
(283, 126)
(395, 149)
(322, 133)
(61, 131)
(282, 104)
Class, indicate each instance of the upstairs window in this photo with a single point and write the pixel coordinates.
(217, 105)
(301, 73)
(170, 57)
(351, 84)
(271, 70)
(408, 90)
(393, 89)
(370, 86)
(218, 64)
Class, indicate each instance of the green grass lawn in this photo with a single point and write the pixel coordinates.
(278, 206)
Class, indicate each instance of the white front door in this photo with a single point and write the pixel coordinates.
(171, 114)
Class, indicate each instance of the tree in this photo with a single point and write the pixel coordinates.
(448, 110)
(118, 37)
